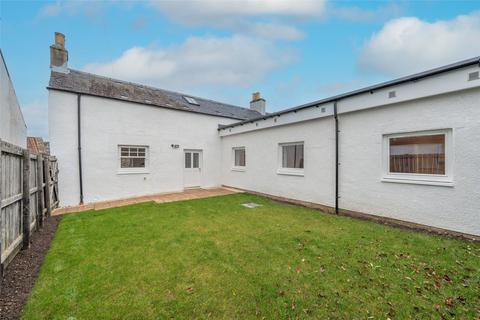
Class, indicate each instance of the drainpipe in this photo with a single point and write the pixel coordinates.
(335, 116)
(79, 148)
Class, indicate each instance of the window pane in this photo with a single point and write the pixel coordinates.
(188, 160)
(299, 156)
(240, 157)
(196, 162)
(418, 154)
(132, 163)
(292, 156)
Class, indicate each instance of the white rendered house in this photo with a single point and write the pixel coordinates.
(406, 149)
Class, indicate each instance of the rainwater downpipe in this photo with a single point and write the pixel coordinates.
(337, 163)
(79, 147)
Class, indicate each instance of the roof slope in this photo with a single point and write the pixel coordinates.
(91, 84)
(410, 78)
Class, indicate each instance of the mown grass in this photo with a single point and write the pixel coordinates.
(212, 258)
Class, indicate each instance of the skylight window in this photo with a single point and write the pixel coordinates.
(191, 100)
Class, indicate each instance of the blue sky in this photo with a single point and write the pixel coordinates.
(292, 52)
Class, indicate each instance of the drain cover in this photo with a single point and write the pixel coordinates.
(251, 205)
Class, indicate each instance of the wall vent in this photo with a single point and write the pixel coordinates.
(473, 76)
(392, 94)
(323, 109)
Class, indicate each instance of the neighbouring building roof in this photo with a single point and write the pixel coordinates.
(94, 85)
(37, 145)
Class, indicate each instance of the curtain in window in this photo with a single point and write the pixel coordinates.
(418, 154)
(292, 156)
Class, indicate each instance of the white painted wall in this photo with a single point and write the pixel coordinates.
(361, 136)
(107, 123)
(361, 188)
(262, 161)
(12, 124)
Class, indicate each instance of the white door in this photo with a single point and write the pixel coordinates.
(192, 174)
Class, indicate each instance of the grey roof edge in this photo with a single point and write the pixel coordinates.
(142, 103)
(382, 85)
(149, 88)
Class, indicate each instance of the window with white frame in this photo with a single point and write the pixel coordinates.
(133, 158)
(239, 157)
(291, 158)
(418, 156)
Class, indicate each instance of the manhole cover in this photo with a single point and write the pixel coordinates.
(251, 205)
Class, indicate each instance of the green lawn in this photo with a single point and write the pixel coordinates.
(212, 258)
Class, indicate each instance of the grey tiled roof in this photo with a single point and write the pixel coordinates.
(91, 84)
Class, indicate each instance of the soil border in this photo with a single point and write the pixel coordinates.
(21, 274)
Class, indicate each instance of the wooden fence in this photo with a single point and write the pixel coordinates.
(28, 193)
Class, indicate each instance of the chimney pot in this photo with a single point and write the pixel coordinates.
(60, 39)
(258, 103)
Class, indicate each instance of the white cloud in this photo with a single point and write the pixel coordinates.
(36, 117)
(89, 8)
(198, 61)
(408, 45)
(356, 14)
(255, 17)
(276, 32)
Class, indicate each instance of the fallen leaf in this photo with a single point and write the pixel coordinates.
(190, 290)
(298, 269)
(437, 285)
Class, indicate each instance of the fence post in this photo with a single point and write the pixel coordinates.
(40, 190)
(1, 222)
(46, 168)
(26, 199)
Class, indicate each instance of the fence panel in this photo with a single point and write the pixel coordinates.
(11, 196)
(28, 193)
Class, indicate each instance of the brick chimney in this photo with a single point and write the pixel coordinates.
(58, 54)
(258, 103)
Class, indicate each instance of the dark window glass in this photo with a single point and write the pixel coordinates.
(188, 160)
(292, 156)
(418, 154)
(196, 160)
(240, 158)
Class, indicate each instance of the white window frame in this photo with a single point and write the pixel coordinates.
(144, 170)
(290, 171)
(420, 178)
(235, 167)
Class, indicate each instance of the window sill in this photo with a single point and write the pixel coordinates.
(140, 171)
(240, 169)
(429, 182)
(290, 172)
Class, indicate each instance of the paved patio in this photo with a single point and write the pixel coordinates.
(159, 198)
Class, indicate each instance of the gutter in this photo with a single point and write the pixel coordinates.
(370, 89)
(79, 135)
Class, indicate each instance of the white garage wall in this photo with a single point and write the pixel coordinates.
(107, 123)
(260, 175)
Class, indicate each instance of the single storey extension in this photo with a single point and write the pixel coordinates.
(406, 149)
